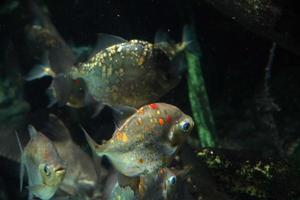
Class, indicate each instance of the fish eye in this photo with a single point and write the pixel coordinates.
(172, 180)
(185, 126)
(47, 170)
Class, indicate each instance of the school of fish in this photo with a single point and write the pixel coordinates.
(128, 76)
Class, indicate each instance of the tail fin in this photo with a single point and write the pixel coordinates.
(41, 70)
(188, 44)
(189, 39)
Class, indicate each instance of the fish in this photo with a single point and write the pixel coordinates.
(161, 184)
(45, 41)
(81, 177)
(42, 34)
(44, 167)
(147, 140)
(118, 73)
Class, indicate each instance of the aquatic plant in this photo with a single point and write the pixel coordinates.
(197, 92)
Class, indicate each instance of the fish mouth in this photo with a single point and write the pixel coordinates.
(60, 171)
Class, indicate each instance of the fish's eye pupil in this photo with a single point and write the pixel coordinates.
(185, 126)
(47, 170)
(172, 180)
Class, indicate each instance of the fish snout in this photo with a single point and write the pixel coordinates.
(60, 171)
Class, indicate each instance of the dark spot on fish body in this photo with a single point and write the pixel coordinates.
(141, 161)
(169, 119)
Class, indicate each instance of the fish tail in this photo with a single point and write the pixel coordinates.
(100, 150)
(41, 70)
(187, 45)
(189, 37)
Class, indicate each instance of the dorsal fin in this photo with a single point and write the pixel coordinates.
(121, 114)
(57, 129)
(96, 148)
(106, 40)
(22, 165)
(32, 131)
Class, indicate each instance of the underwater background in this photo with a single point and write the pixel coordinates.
(240, 84)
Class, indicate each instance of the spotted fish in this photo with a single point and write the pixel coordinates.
(147, 140)
(120, 72)
(45, 169)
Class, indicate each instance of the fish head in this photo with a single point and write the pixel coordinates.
(177, 125)
(168, 182)
(159, 184)
(180, 130)
(79, 96)
(52, 173)
(172, 180)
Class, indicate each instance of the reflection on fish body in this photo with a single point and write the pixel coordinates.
(45, 169)
(81, 176)
(147, 140)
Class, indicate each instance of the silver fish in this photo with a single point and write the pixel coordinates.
(120, 72)
(44, 167)
(81, 176)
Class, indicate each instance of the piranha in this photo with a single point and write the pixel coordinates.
(160, 185)
(81, 176)
(147, 140)
(119, 72)
(163, 184)
(40, 31)
(45, 168)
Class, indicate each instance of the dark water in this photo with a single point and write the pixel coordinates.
(255, 112)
